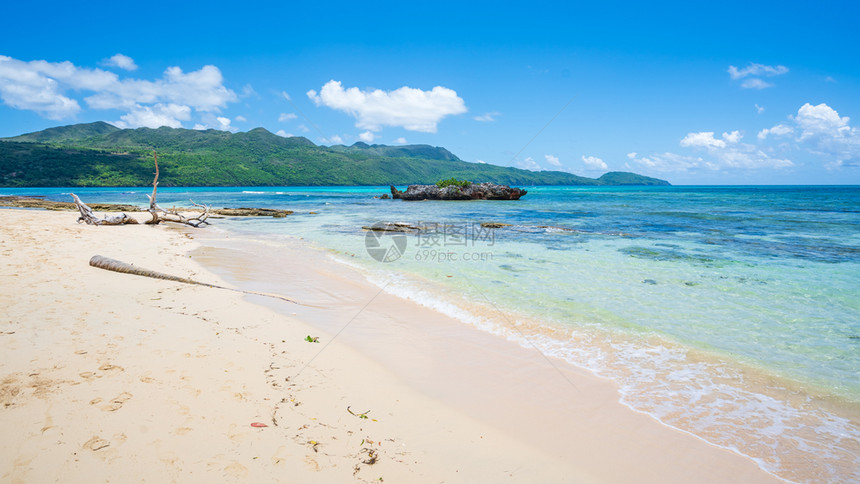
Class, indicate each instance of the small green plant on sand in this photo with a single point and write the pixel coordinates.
(453, 181)
(312, 339)
(362, 415)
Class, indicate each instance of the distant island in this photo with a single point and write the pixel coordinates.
(99, 154)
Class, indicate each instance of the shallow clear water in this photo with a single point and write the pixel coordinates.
(729, 312)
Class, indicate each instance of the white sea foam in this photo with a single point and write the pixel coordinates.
(708, 398)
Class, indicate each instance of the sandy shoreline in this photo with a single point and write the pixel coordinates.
(105, 376)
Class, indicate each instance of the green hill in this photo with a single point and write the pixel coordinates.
(99, 154)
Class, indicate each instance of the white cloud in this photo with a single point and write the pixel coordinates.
(286, 117)
(818, 130)
(203, 90)
(756, 83)
(759, 70)
(49, 88)
(821, 120)
(224, 124)
(284, 134)
(409, 108)
(334, 140)
(552, 160)
(367, 137)
(487, 117)
(121, 61)
(727, 152)
(754, 69)
(778, 130)
(826, 134)
(732, 137)
(594, 163)
(156, 116)
(529, 164)
(303, 128)
(759, 109)
(241, 119)
(704, 139)
(671, 162)
(286, 96)
(400, 141)
(247, 91)
(481, 162)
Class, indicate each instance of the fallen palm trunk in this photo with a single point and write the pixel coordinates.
(114, 265)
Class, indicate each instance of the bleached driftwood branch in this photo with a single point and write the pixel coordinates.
(90, 218)
(159, 214)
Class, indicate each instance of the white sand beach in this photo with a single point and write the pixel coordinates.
(108, 377)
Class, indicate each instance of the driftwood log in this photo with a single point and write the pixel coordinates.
(157, 213)
(114, 265)
(90, 218)
(161, 215)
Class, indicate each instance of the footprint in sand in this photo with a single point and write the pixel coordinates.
(96, 443)
(236, 470)
(116, 403)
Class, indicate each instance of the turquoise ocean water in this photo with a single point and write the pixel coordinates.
(729, 312)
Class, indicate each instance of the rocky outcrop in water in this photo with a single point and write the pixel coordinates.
(475, 191)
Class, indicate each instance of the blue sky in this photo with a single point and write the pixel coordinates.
(695, 93)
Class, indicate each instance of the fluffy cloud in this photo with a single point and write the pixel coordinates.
(202, 90)
(754, 69)
(552, 160)
(756, 83)
(671, 162)
(170, 115)
(778, 130)
(286, 117)
(729, 152)
(487, 117)
(725, 153)
(400, 141)
(334, 140)
(406, 107)
(705, 139)
(822, 120)
(818, 130)
(121, 61)
(529, 164)
(825, 133)
(367, 137)
(594, 163)
(48, 88)
(284, 134)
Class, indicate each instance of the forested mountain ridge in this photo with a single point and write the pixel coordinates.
(99, 154)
